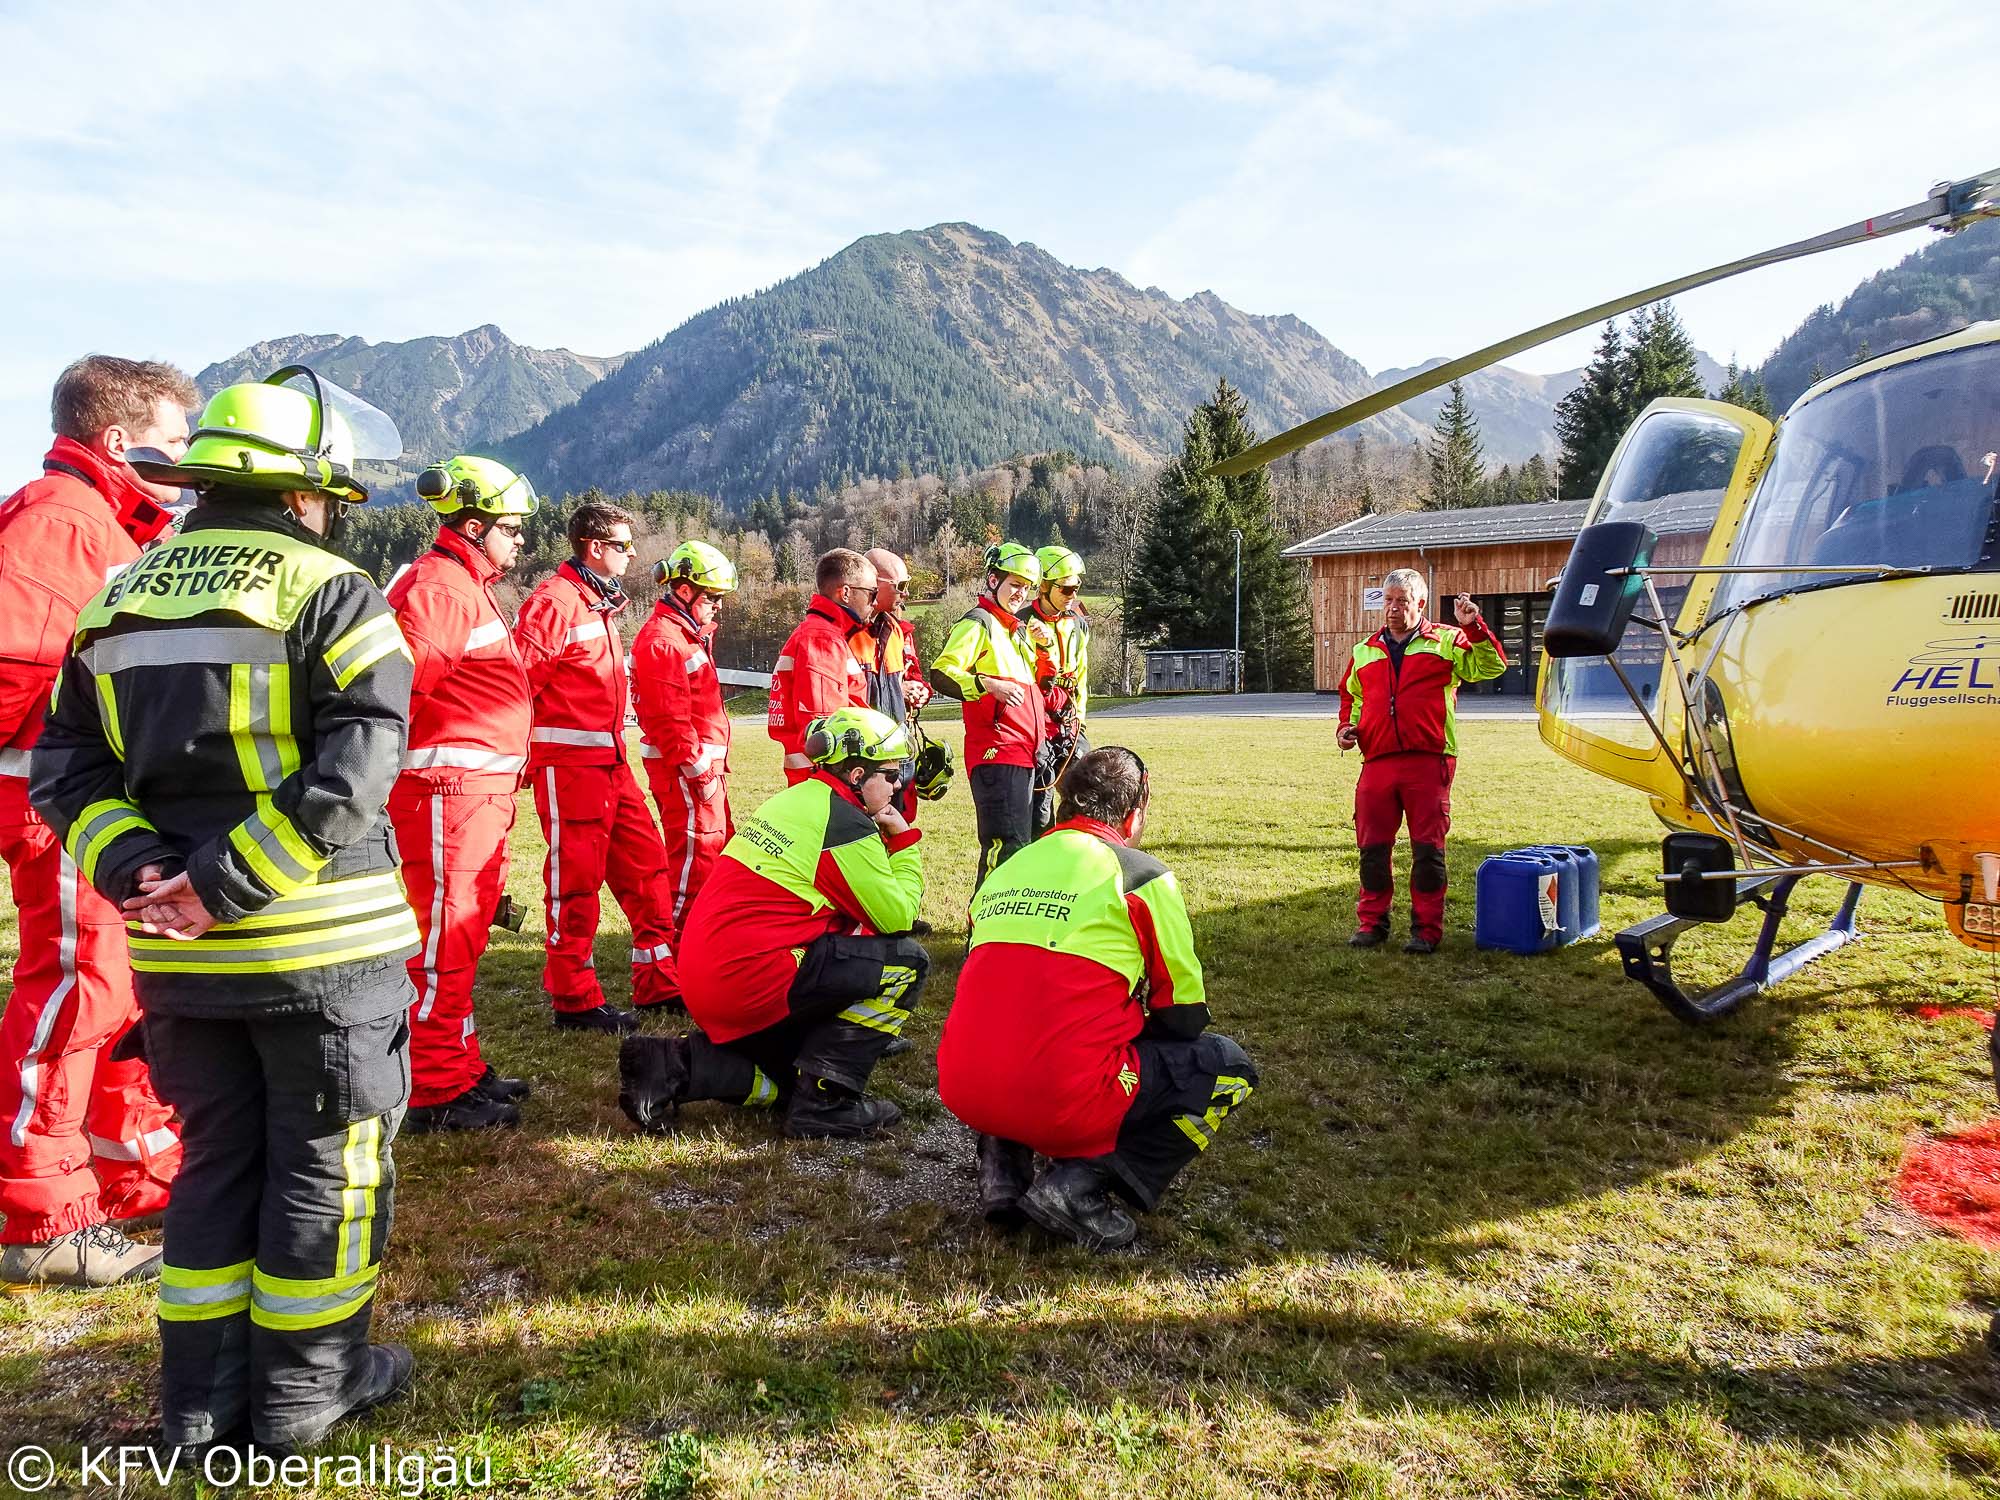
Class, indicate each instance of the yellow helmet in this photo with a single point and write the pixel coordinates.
(1013, 558)
(1060, 565)
(272, 435)
(481, 484)
(850, 734)
(699, 564)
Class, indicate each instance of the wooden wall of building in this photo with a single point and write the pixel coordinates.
(1335, 586)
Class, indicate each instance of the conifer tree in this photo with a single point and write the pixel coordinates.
(1536, 483)
(1663, 360)
(1590, 419)
(1456, 456)
(1182, 590)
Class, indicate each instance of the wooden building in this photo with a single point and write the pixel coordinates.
(1505, 556)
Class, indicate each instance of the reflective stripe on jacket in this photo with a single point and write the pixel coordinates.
(807, 863)
(678, 695)
(575, 661)
(1416, 708)
(986, 643)
(470, 710)
(236, 706)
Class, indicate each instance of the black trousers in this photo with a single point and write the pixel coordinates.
(279, 1216)
(1003, 810)
(852, 997)
(1185, 1090)
(1045, 800)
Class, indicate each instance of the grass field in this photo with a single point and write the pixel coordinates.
(1490, 1227)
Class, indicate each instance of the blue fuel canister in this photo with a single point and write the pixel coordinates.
(1567, 890)
(1587, 895)
(1517, 899)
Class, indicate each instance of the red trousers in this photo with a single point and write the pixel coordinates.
(1392, 788)
(83, 1138)
(692, 831)
(599, 828)
(454, 845)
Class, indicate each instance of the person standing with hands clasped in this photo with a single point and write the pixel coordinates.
(1399, 703)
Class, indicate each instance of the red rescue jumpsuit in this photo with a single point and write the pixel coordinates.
(453, 804)
(83, 1137)
(823, 666)
(1407, 712)
(593, 814)
(684, 744)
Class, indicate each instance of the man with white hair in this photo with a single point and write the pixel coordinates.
(1399, 703)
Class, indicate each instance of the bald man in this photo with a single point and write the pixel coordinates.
(896, 679)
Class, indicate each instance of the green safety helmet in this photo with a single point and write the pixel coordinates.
(1012, 557)
(699, 564)
(1060, 565)
(477, 484)
(850, 734)
(273, 435)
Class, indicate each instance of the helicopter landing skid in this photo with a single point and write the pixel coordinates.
(1647, 950)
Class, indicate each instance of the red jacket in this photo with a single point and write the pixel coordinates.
(1414, 708)
(575, 661)
(821, 668)
(469, 702)
(679, 697)
(61, 537)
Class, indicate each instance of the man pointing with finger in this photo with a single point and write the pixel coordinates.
(1399, 703)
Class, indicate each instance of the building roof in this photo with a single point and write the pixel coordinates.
(1498, 525)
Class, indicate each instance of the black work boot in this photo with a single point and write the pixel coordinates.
(898, 1047)
(1006, 1168)
(652, 1079)
(598, 1018)
(1068, 1200)
(824, 1110)
(471, 1110)
(1420, 944)
(506, 1090)
(391, 1368)
(1369, 937)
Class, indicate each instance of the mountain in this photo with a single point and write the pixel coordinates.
(1949, 283)
(1516, 409)
(931, 349)
(447, 395)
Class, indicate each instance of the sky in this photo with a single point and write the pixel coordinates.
(1412, 180)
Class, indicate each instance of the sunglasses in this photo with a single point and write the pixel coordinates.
(1067, 590)
(615, 545)
(507, 528)
(892, 774)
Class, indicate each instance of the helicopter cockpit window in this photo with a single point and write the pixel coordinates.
(1895, 469)
(1672, 474)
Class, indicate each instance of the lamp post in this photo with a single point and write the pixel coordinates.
(1236, 665)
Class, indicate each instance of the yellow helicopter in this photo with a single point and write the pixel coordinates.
(1812, 686)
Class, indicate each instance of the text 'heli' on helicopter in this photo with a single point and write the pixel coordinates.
(1810, 686)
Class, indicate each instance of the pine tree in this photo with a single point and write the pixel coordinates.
(1590, 419)
(1743, 388)
(1183, 585)
(1662, 358)
(1456, 455)
(1536, 483)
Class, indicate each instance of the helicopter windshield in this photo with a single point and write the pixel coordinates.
(1672, 473)
(1894, 469)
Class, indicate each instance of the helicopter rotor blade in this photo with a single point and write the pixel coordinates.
(1951, 206)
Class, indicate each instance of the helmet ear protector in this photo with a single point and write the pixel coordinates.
(435, 483)
(826, 745)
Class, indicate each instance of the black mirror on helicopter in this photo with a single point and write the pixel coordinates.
(1599, 588)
